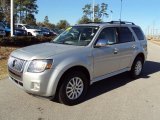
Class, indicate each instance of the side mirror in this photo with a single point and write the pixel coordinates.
(101, 43)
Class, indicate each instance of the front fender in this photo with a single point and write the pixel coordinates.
(63, 66)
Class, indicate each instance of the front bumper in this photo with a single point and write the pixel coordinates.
(35, 83)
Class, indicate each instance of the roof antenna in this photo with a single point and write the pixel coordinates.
(120, 12)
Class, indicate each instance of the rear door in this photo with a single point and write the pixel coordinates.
(126, 47)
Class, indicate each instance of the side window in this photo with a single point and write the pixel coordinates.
(138, 33)
(124, 35)
(108, 34)
(20, 26)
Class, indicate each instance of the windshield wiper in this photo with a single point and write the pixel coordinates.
(65, 43)
(57, 42)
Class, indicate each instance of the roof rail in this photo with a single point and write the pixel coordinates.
(121, 22)
(94, 22)
(112, 22)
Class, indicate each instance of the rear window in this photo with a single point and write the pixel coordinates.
(138, 33)
(124, 35)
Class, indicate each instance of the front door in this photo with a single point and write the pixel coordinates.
(106, 58)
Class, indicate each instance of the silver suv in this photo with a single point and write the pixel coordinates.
(81, 55)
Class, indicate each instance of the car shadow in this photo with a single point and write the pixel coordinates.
(120, 80)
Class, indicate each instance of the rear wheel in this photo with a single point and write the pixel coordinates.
(136, 68)
(73, 89)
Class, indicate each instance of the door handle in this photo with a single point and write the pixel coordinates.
(115, 51)
(133, 46)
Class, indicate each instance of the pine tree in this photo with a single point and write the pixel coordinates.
(46, 20)
(62, 24)
(100, 11)
(25, 10)
(5, 10)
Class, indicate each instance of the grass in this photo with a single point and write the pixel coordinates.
(3, 68)
(4, 54)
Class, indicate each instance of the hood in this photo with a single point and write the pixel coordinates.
(43, 51)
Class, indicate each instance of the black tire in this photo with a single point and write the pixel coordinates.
(62, 94)
(29, 34)
(133, 73)
(7, 34)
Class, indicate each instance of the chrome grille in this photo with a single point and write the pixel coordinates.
(16, 64)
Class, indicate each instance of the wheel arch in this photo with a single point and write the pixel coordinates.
(140, 55)
(73, 68)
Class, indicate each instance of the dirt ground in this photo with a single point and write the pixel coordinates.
(156, 41)
(4, 54)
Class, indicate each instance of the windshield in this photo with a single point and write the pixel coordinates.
(29, 27)
(77, 35)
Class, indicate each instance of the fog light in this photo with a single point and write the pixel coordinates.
(36, 86)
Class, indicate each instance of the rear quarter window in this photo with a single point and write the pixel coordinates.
(138, 33)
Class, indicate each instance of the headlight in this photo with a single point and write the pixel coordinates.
(37, 66)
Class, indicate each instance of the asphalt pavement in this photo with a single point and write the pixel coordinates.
(116, 98)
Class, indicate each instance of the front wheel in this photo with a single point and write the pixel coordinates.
(73, 88)
(136, 68)
(29, 34)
